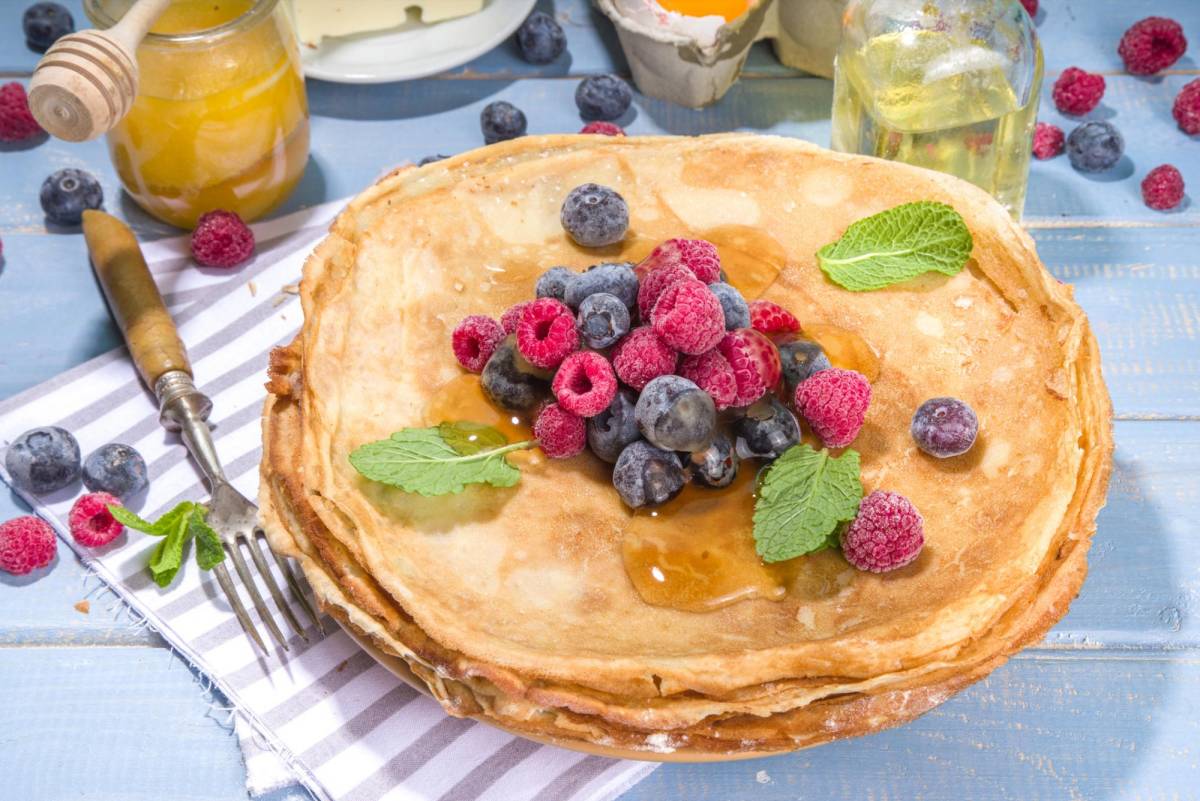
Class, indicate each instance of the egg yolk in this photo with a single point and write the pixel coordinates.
(729, 9)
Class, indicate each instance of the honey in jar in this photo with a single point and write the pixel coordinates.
(221, 117)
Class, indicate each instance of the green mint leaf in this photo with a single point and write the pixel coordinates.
(424, 461)
(209, 550)
(805, 495)
(468, 438)
(167, 558)
(159, 528)
(896, 245)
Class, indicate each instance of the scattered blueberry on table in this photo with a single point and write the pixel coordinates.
(501, 121)
(44, 24)
(67, 193)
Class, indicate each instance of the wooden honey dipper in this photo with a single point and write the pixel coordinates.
(87, 81)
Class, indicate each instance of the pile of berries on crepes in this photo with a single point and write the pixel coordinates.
(515, 361)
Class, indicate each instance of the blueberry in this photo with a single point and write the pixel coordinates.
(553, 283)
(737, 311)
(43, 460)
(717, 465)
(541, 38)
(615, 278)
(501, 121)
(116, 469)
(767, 430)
(595, 215)
(44, 24)
(944, 427)
(510, 381)
(67, 193)
(647, 476)
(431, 159)
(610, 431)
(675, 414)
(603, 97)
(801, 358)
(603, 319)
(1095, 146)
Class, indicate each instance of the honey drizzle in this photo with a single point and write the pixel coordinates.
(845, 348)
(462, 399)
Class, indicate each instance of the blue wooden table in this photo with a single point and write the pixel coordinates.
(1108, 707)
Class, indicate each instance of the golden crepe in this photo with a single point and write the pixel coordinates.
(515, 605)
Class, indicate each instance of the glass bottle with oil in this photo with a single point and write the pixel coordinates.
(951, 85)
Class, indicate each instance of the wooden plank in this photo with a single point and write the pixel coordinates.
(1142, 592)
(132, 724)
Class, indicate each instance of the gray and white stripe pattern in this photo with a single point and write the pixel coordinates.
(342, 724)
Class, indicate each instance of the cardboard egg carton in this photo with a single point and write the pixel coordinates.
(678, 60)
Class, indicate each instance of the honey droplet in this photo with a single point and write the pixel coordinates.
(845, 348)
(696, 552)
(462, 399)
(751, 258)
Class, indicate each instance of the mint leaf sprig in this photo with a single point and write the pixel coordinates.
(897, 245)
(804, 497)
(178, 527)
(440, 460)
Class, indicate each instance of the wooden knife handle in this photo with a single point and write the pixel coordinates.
(133, 297)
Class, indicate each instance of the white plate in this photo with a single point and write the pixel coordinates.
(414, 50)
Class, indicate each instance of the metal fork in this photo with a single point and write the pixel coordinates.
(161, 360)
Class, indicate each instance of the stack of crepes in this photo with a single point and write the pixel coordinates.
(513, 605)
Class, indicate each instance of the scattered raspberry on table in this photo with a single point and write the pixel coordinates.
(1162, 188)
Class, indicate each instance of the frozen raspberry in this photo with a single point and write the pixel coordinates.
(688, 317)
(1187, 108)
(1047, 141)
(1031, 6)
(546, 333)
(1162, 188)
(771, 318)
(834, 402)
(474, 341)
(642, 356)
(26, 544)
(1077, 92)
(221, 239)
(755, 363)
(699, 256)
(712, 373)
(512, 316)
(654, 283)
(604, 128)
(585, 383)
(16, 121)
(91, 522)
(560, 434)
(1151, 44)
(887, 533)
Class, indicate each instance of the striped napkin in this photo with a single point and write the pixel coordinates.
(340, 723)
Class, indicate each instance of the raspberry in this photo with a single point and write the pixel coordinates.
(221, 239)
(512, 316)
(560, 433)
(699, 256)
(1031, 7)
(585, 384)
(688, 317)
(642, 356)
(834, 402)
(1077, 92)
(26, 544)
(771, 318)
(712, 373)
(1187, 108)
(755, 363)
(16, 121)
(1151, 44)
(654, 283)
(474, 341)
(1162, 188)
(604, 128)
(887, 533)
(91, 522)
(1047, 141)
(546, 333)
